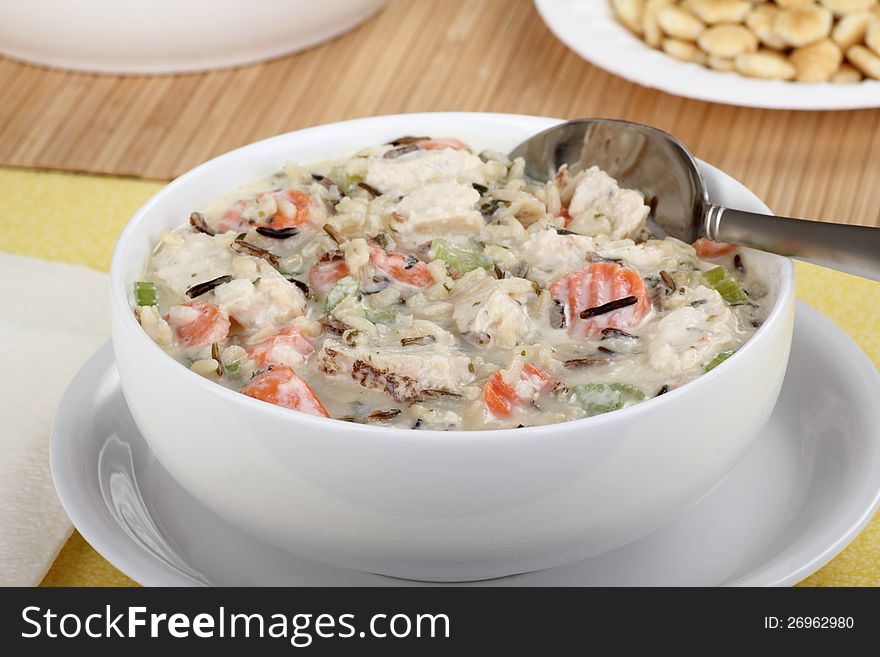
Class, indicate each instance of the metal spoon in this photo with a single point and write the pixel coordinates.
(658, 165)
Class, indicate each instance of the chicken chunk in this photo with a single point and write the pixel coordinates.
(441, 209)
(270, 301)
(407, 174)
(648, 257)
(192, 258)
(701, 326)
(493, 309)
(549, 255)
(600, 207)
(403, 373)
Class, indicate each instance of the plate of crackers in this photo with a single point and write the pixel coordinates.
(776, 54)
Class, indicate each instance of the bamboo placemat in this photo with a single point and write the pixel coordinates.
(418, 55)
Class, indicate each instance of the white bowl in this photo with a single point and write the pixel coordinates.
(429, 504)
(169, 36)
(590, 29)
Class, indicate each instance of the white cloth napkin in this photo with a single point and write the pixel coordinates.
(52, 318)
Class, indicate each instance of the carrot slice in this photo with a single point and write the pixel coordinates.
(287, 216)
(538, 379)
(565, 216)
(596, 285)
(327, 271)
(501, 398)
(498, 396)
(287, 347)
(296, 214)
(283, 387)
(440, 144)
(211, 325)
(232, 219)
(708, 249)
(406, 270)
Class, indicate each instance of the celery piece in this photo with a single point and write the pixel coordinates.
(347, 184)
(145, 293)
(721, 279)
(461, 259)
(382, 316)
(345, 287)
(719, 358)
(598, 398)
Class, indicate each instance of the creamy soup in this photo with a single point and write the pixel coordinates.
(420, 284)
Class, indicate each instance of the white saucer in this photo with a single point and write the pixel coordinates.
(590, 29)
(803, 493)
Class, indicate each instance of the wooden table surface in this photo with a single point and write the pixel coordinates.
(417, 55)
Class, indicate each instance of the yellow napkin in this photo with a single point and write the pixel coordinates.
(76, 218)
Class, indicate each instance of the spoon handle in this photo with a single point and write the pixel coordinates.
(853, 249)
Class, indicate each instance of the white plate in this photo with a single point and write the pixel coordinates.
(170, 36)
(590, 29)
(805, 490)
